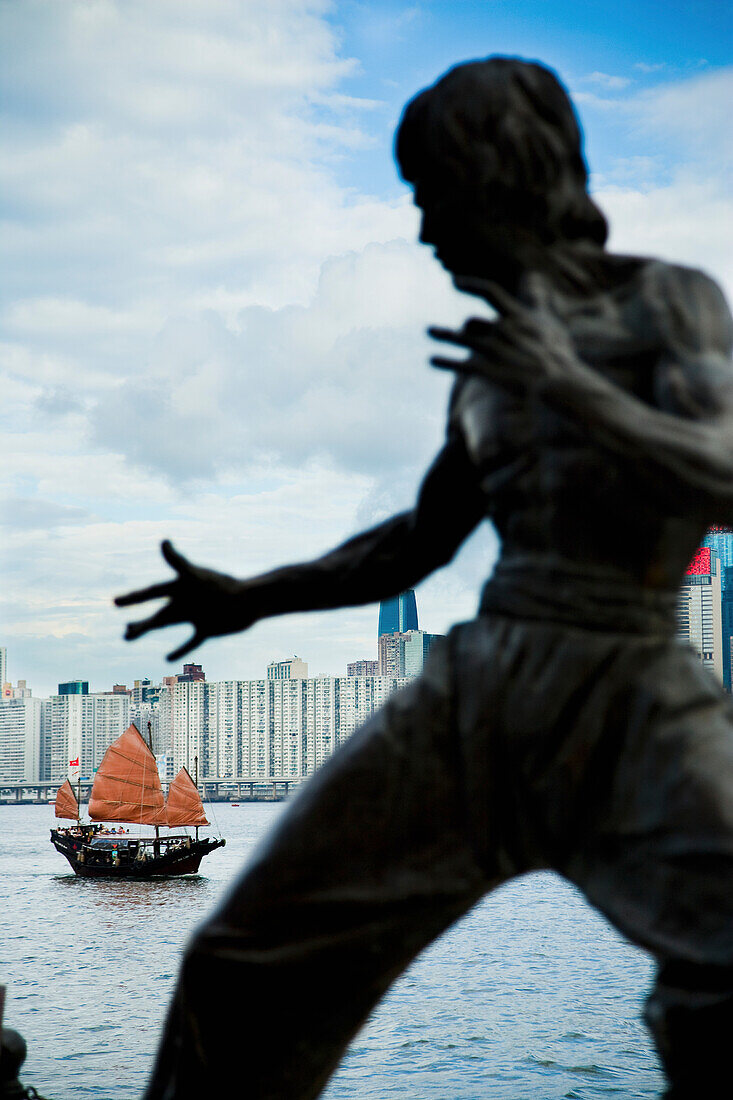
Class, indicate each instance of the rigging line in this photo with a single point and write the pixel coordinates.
(215, 820)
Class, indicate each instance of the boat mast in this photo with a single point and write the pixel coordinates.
(78, 798)
(196, 782)
(150, 746)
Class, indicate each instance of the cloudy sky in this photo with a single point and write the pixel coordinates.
(213, 308)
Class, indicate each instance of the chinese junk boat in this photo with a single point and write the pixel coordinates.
(127, 790)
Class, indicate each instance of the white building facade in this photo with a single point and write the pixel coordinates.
(700, 608)
(280, 727)
(80, 727)
(20, 739)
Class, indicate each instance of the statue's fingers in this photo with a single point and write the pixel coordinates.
(489, 339)
(152, 592)
(460, 366)
(480, 367)
(474, 336)
(165, 617)
(174, 559)
(447, 335)
(479, 326)
(535, 290)
(193, 642)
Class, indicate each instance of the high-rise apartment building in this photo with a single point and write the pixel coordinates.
(404, 654)
(20, 739)
(391, 650)
(720, 539)
(192, 673)
(291, 669)
(3, 666)
(282, 726)
(80, 727)
(187, 726)
(699, 610)
(416, 648)
(362, 668)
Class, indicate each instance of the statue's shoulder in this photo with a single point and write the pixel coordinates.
(686, 307)
(471, 396)
(491, 423)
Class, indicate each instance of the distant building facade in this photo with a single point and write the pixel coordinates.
(282, 726)
(720, 540)
(20, 739)
(699, 610)
(404, 654)
(362, 668)
(291, 669)
(192, 674)
(80, 727)
(74, 687)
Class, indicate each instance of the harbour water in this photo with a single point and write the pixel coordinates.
(530, 997)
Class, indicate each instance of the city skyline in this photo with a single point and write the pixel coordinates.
(285, 724)
(397, 615)
(214, 306)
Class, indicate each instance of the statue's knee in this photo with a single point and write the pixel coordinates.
(690, 1016)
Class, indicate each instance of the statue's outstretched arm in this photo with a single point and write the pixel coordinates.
(379, 562)
(687, 450)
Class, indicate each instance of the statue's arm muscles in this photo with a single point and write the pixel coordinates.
(379, 562)
(685, 444)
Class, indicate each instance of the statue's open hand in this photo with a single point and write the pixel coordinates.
(526, 345)
(210, 601)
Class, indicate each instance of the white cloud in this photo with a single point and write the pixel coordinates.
(684, 222)
(209, 338)
(694, 114)
(295, 381)
(609, 82)
(687, 217)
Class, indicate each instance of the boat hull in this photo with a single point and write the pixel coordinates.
(132, 859)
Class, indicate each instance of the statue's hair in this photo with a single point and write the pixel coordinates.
(502, 132)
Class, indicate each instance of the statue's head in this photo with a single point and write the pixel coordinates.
(494, 152)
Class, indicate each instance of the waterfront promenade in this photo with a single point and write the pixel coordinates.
(240, 789)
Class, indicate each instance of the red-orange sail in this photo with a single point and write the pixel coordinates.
(183, 805)
(66, 804)
(127, 786)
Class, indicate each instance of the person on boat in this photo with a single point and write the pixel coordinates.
(564, 727)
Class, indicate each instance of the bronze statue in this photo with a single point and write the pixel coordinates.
(564, 727)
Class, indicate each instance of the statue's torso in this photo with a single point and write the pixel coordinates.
(552, 491)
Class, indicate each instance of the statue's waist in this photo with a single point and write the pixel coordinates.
(591, 597)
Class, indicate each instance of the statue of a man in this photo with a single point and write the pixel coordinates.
(564, 727)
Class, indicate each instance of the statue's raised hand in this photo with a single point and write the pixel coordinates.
(214, 603)
(526, 345)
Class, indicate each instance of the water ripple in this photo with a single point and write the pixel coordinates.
(530, 997)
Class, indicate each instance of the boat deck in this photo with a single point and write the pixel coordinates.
(92, 855)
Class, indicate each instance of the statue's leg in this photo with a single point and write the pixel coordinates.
(658, 860)
(368, 865)
(690, 1015)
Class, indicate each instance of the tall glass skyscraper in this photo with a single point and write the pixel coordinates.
(398, 614)
(74, 687)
